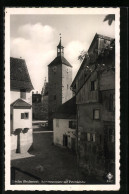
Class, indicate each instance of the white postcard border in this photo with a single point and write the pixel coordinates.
(10, 11)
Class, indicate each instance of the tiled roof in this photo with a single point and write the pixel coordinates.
(60, 60)
(20, 103)
(67, 110)
(19, 75)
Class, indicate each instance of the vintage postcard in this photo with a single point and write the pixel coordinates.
(62, 99)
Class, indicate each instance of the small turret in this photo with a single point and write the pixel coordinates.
(60, 49)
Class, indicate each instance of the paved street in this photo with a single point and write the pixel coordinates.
(47, 161)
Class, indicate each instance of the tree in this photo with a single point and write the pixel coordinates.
(110, 18)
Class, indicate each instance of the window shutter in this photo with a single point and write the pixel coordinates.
(88, 136)
(94, 137)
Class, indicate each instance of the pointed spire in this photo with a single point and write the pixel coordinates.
(60, 48)
(43, 89)
(59, 45)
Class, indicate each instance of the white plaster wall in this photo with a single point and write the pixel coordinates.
(13, 142)
(21, 123)
(26, 140)
(15, 94)
(29, 97)
(61, 130)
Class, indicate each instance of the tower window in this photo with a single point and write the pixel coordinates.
(54, 69)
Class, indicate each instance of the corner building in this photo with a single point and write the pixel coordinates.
(60, 79)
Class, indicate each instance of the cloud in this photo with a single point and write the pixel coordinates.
(36, 44)
(72, 51)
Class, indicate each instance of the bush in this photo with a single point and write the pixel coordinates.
(25, 130)
(17, 131)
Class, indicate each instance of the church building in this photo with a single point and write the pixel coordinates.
(59, 79)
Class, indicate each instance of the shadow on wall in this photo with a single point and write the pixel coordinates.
(22, 140)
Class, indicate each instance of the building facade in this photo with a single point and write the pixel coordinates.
(95, 99)
(59, 79)
(20, 103)
(40, 104)
(64, 125)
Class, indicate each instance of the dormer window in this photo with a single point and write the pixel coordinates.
(23, 94)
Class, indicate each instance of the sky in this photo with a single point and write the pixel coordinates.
(35, 39)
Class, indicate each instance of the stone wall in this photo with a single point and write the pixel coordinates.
(26, 141)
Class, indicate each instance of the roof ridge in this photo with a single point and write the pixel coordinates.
(19, 99)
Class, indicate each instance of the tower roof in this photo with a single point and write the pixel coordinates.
(60, 45)
(60, 60)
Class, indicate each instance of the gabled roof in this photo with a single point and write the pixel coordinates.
(85, 59)
(20, 103)
(19, 75)
(67, 110)
(101, 37)
(60, 60)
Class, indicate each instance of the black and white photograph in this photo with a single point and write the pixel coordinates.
(62, 106)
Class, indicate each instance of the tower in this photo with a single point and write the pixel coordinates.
(59, 79)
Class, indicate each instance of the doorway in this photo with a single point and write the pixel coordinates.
(65, 140)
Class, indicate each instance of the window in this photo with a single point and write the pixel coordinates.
(25, 115)
(72, 124)
(67, 70)
(93, 85)
(96, 114)
(23, 94)
(91, 137)
(67, 86)
(54, 69)
(54, 97)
